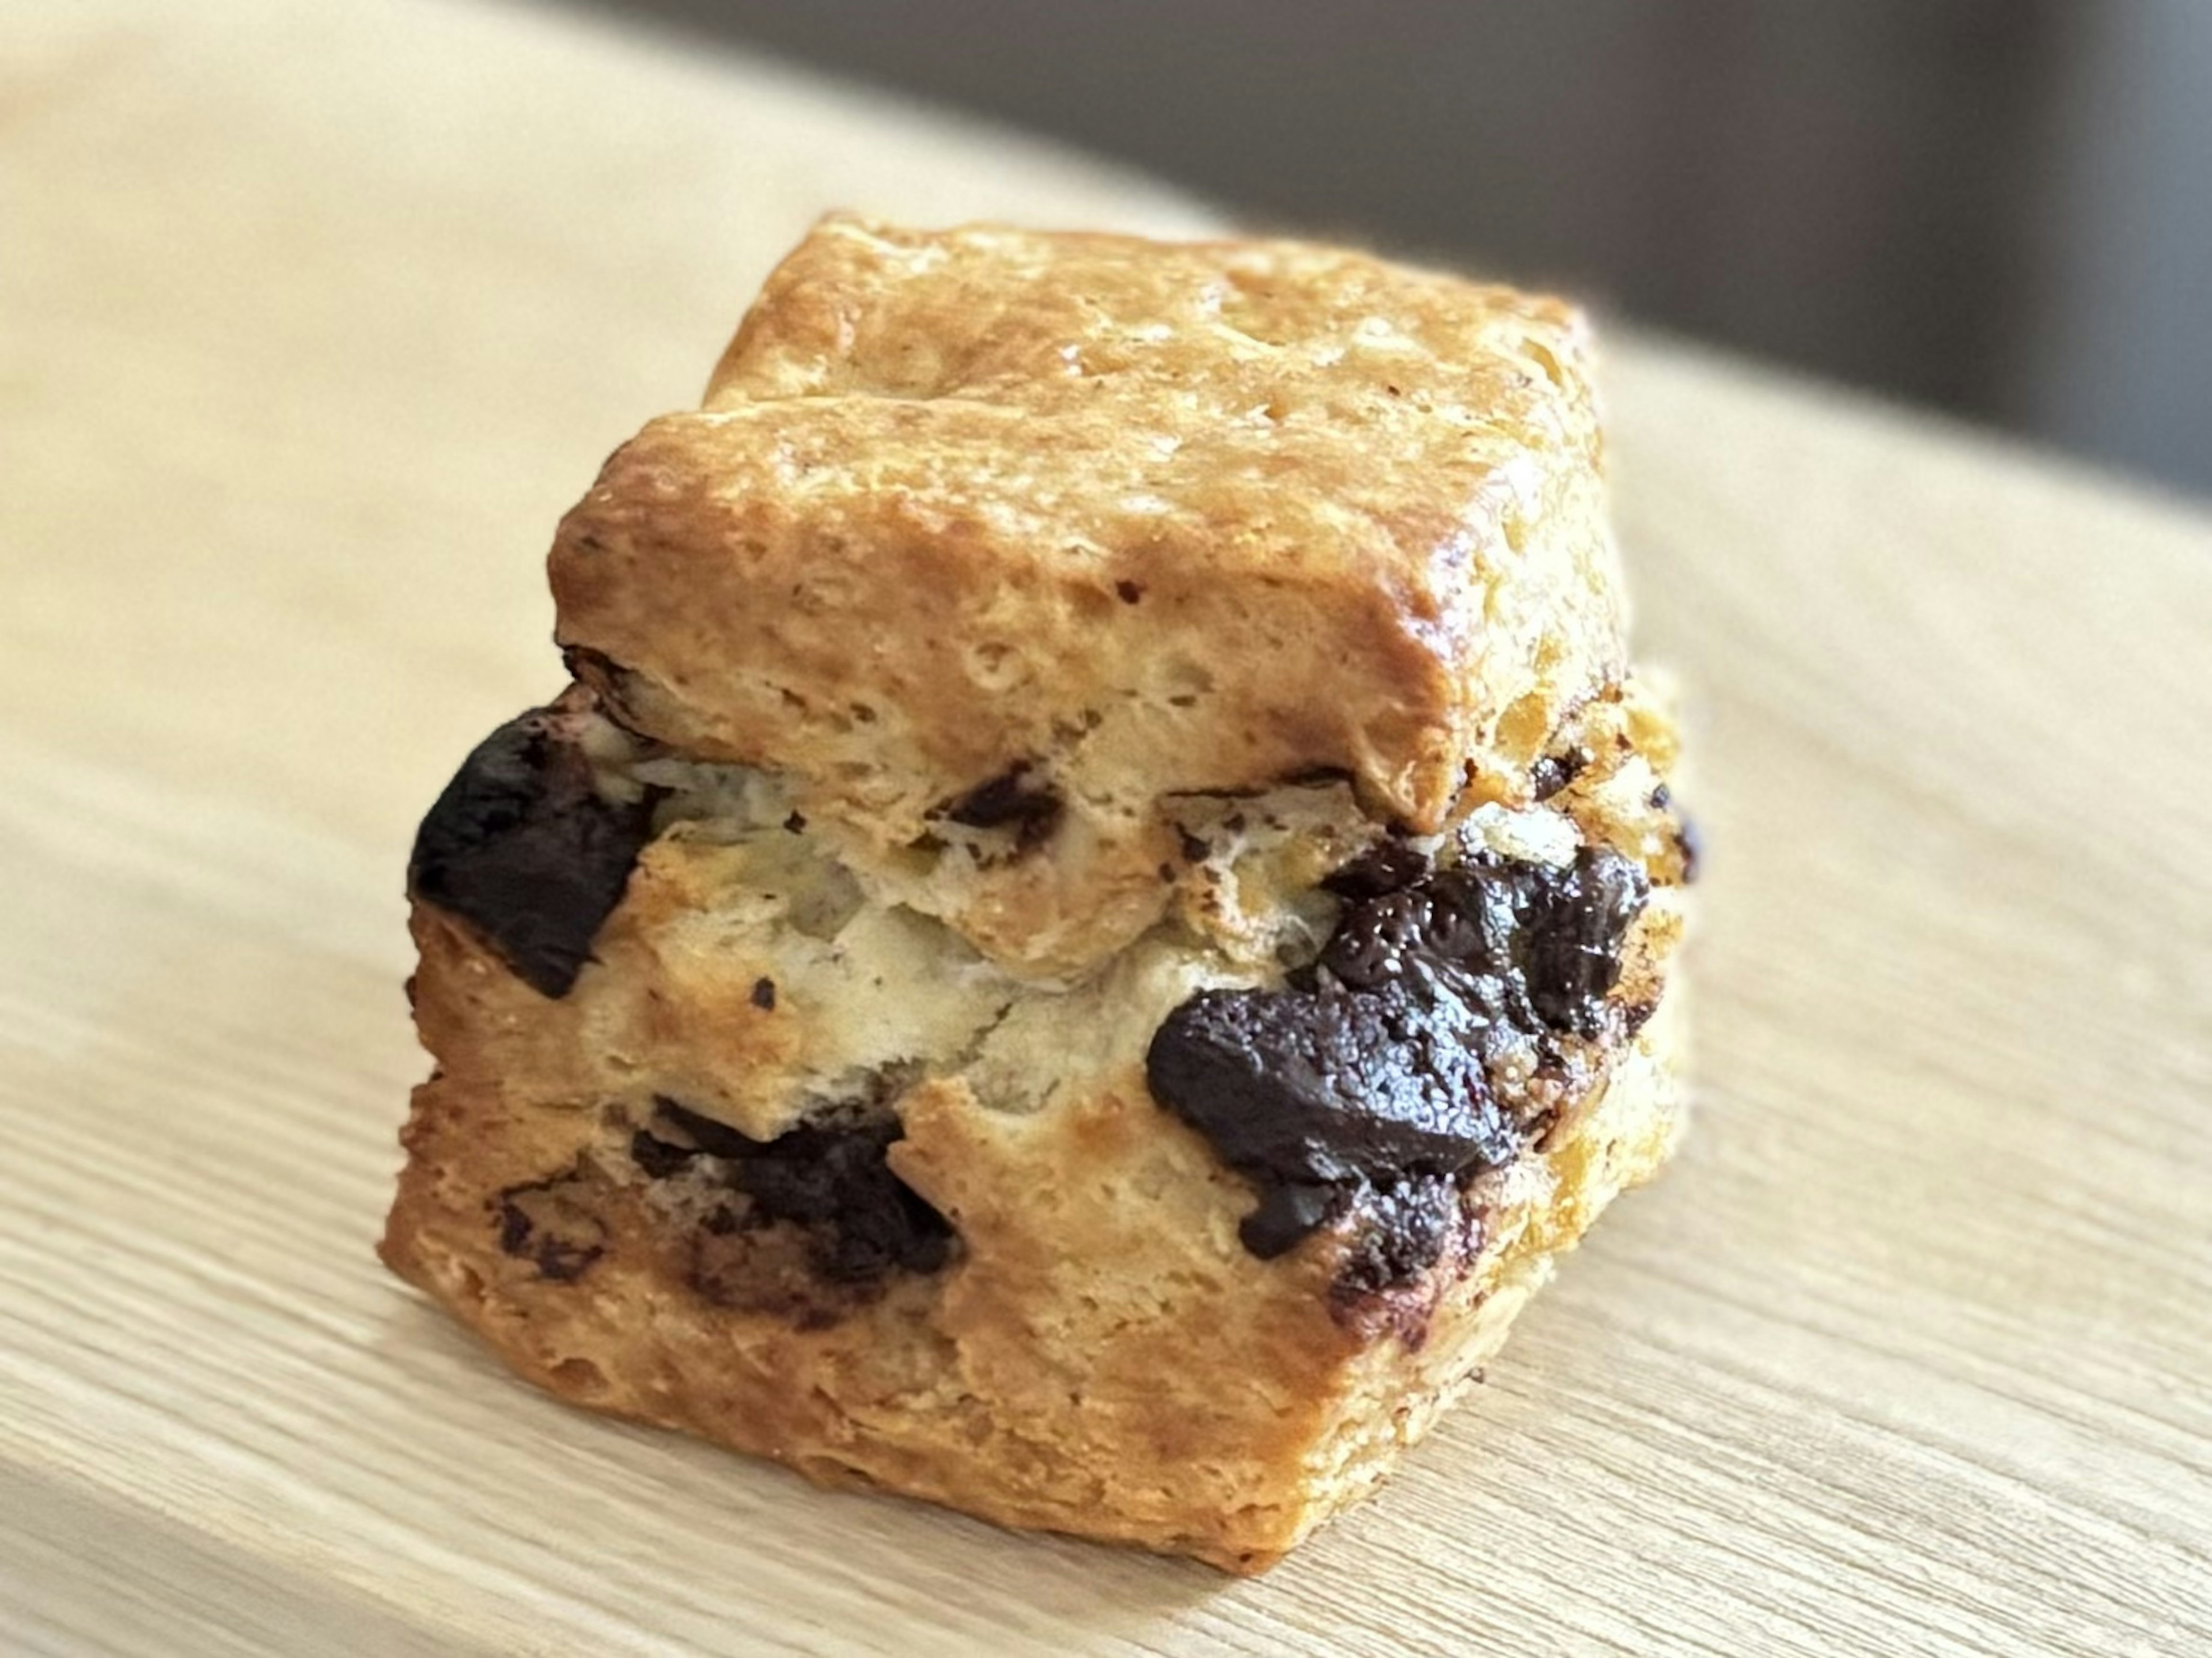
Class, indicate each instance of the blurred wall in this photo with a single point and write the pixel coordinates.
(1994, 206)
(2122, 368)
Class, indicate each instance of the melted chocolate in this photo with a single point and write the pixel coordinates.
(522, 847)
(1383, 867)
(1285, 1214)
(1411, 1226)
(1572, 927)
(1331, 1086)
(1368, 1075)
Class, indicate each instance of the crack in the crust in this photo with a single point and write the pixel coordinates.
(969, 1052)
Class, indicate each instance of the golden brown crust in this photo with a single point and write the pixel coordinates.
(1016, 650)
(1180, 517)
(1104, 1359)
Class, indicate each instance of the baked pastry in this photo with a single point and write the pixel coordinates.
(1101, 902)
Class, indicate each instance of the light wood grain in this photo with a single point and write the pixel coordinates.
(312, 320)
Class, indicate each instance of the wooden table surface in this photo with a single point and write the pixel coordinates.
(313, 317)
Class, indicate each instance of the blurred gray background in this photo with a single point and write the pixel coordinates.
(1999, 208)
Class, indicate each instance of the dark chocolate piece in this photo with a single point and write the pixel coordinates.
(1331, 1086)
(1014, 799)
(1409, 1225)
(1572, 927)
(763, 996)
(1370, 1070)
(1408, 1229)
(863, 1222)
(1383, 867)
(867, 1222)
(522, 846)
(1286, 1214)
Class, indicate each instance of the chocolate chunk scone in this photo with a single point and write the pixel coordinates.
(1101, 903)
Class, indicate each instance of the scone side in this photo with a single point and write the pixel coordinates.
(1086, 1424)
(880, 1399)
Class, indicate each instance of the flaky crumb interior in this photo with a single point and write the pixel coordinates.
(1240, 906)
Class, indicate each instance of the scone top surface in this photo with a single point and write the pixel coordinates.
(1076, 523)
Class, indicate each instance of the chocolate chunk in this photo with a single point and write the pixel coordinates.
(862, 1222)
(1330, 1086)
(1014, 799)
(1370, 1069)
(1448, 923)
(1408, 1229)
(1409, 1225)
(867, 1222)
(521, 846)
(1286, 1214)
(763, 996)
(1128, 592)
(1572, 928)
(1383, 867)
(1194, 851)
(547, 1223)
